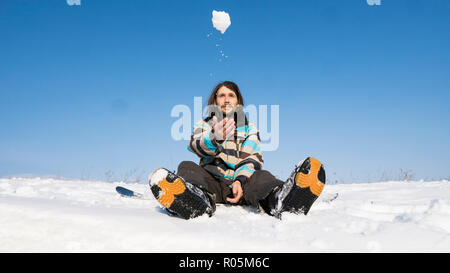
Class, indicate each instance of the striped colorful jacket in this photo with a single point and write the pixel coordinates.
(228, 160)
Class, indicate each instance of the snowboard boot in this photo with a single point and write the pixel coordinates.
(178, 196)
(299, 192)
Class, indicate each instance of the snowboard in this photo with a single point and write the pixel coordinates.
(129, 193)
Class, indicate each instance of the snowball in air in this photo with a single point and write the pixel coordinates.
(221, 20)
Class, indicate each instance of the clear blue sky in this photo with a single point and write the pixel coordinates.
(89, 89)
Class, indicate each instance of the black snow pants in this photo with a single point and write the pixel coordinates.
(257, 188)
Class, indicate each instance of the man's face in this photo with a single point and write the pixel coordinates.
(226, 99)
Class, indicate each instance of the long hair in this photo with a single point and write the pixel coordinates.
(238, 113)
(230, 85)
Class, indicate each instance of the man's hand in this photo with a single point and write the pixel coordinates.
(237, 192)
(224, 129)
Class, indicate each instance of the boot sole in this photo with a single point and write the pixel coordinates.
(173, 194)
(309, 184)
(312, 179)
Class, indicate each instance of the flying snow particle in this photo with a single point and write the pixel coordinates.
(221, 20)
(73, 2)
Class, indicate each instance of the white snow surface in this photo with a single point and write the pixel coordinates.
(60, 215)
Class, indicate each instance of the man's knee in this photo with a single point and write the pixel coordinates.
(262, 179)
(187, 165)
(259, 186)
(262, 176)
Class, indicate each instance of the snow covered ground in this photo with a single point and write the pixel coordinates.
(56, 215)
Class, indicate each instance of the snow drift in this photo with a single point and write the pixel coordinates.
(57, 215)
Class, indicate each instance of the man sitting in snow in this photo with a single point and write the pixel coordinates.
(230, 167)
